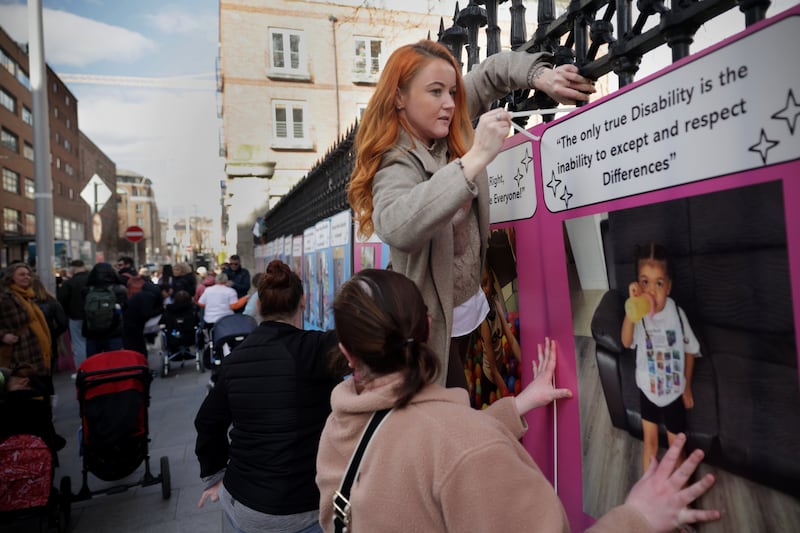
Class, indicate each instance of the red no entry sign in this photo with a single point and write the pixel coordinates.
(134, 233)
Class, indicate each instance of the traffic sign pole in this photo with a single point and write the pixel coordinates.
(135, 234)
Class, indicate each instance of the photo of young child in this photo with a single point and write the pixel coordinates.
(666, 387)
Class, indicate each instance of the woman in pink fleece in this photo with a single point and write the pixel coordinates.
(433, 463)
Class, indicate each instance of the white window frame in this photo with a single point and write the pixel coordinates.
(58, 228)
(30, 224)
(10, 140)
(30, 188)
(27, 116)
(286, 71)
(291, 140)
(12, 220)
(7, 62)
(366, 75)
(8, 101)
(10, 181)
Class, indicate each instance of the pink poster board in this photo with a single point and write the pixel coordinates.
(368, 253)
(717, 135)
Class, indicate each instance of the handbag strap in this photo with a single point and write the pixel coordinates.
(341, 498)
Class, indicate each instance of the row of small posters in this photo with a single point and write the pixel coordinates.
(323, 257)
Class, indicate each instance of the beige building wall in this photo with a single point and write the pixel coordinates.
(136, 206)
(327, 86)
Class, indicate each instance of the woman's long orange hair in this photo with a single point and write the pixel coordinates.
(380, 126)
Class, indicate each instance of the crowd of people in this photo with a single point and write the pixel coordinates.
(101, 309)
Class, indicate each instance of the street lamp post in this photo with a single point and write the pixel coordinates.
(43, 181)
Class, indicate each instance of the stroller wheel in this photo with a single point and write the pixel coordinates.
(65, 504)
(166, 481)
(206, 357)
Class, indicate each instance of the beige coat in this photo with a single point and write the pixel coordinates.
(416, 193)
(438, 465)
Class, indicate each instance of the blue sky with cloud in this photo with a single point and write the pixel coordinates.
(164, 126)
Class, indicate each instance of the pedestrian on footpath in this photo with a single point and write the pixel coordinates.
(105, 299)
(238, 276)
(258, 429)
(70, 295)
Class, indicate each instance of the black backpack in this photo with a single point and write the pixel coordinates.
(100, 308)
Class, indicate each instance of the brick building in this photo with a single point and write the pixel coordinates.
(104, 230)
(70, 212)
(136, 206)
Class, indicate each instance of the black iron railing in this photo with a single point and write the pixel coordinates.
(599, 36)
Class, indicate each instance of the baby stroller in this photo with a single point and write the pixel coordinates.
(113, 397)
(228, 332)
(27, 494)
(178, 337)
(28, 457)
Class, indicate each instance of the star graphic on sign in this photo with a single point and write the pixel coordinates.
(763, 146)
(518, 178)
(526, 160)
(554, 183)
(566, 196)
(789, 113)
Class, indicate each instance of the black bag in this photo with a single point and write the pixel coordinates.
(100, 308)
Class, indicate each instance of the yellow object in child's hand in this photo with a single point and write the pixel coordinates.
(638, 306)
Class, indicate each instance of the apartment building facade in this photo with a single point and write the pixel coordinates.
(99, 173)
(136, 206)
(293, 77)
(70, 212)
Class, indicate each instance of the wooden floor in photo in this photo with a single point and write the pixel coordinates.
(612, 464)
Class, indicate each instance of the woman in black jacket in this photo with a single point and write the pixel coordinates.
(269, 465)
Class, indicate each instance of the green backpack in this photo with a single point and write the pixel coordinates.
(100, 308)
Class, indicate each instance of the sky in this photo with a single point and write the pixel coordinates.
(164, 126)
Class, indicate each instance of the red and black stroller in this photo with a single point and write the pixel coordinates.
(113, 397)
(27, 494)
(28, 457)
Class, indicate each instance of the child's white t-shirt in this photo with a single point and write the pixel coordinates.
(661, 346)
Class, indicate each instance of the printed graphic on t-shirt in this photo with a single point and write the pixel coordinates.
(664, 365)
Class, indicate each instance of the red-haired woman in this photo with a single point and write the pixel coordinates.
(274, 390)
(420, 178)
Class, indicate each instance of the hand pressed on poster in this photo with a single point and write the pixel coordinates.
(660, 494)
(542, 391)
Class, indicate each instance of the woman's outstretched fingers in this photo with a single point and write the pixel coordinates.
(661, 494)
(672, 456)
